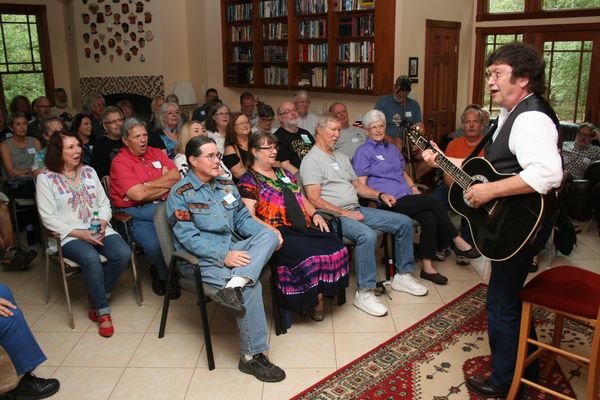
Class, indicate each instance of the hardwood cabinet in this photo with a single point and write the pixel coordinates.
(318, 45)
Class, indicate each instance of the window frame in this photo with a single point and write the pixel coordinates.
(533, 10)
(43, 40)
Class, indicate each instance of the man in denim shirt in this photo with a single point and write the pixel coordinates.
(210, 221)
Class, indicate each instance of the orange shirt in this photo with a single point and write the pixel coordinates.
(458, 148)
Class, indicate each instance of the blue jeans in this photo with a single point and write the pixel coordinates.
(145, 235)
(100, 280)
(253, 326)
(17, 339)
(363, 234)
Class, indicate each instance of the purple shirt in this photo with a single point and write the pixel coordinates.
(383, 165)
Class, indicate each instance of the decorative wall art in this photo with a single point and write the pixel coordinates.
(106, 24)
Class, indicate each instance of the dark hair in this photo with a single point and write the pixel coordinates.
(211, 90)
(192, 148)
(13, 104)
(246, 95)
(77, 120)
(54, 158)
(265, 110)
(209, 122)
(255, 142)
(525, 61)
(230, 136)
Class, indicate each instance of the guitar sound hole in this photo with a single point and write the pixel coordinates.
(476, 179)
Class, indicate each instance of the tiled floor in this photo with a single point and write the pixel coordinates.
(135, 364)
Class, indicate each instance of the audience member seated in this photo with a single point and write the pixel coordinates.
(107, 147)
(24, 351)
(127, 108)
(294, 142)
(94, 106)
(248, 107)
(61, 108)
(380, 165)
(11, 255)
(485, 122)
(69, 195)
(235, 157)
(41, 107)
(308, 120)
(351, 137)
(166, 137)
(577, 155)
(172, 98)
(49, 127)
(231, 250)
(82, 125)
(211, 97)
(5, 131)
(331, 184)
(216, 124)
(265, 119)
(20, 104)
(312, 262)
(140, 177)
(17, 154)
(155, 119)
(192, 129)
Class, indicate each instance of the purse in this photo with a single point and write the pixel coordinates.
(8, 375)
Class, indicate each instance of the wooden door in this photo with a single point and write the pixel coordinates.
(441, 74)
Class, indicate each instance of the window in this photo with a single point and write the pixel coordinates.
(552, 5)
(25, 67)
(495, 10)
(506, 6)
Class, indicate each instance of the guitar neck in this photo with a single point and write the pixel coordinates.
(459, 176)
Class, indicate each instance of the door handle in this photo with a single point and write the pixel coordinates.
(431, 121)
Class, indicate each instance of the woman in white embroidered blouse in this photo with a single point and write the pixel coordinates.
(67, 194)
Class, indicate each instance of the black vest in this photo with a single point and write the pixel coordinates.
(497, 152)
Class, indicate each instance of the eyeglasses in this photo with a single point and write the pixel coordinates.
(286, 112)
(269, 148)
(212, 156)
(266, 119)
(494, 75)
(115, 121)
(243, 123)
(222, 114)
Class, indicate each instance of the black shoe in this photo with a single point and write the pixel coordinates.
(262, 369)
(175, 291)
(159, 287)
(436, 278)
(483, 388)
(471, 253)
(232, 300)
(31, 387)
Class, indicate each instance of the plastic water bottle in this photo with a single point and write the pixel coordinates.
(30, 234)
(95, 223)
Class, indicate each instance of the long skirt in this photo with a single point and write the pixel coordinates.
(310, 262)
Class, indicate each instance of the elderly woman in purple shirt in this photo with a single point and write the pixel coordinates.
(380, 165)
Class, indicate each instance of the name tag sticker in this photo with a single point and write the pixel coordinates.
(285, 179)
(587, 160)
(408, 114)
(380, 157)
(156, 164)
(305, 138)
(355, 140)
(230, 198)
(335, 166)
(88, 182)
(31, 150)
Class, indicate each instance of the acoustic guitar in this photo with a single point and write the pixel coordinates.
(500, 227)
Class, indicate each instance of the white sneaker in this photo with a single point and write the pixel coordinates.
(366, 300)
(406, 283)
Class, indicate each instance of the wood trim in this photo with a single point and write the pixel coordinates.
(533, 10)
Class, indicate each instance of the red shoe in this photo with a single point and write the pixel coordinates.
(107, 330)
(92, 314)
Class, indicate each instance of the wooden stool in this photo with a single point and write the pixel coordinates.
(570, 292)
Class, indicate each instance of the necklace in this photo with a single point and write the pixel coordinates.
(71, 178)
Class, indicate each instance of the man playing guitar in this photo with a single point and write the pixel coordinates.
(524, 143)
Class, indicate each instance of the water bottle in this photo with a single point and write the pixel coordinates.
(30, 234)
(95, 223)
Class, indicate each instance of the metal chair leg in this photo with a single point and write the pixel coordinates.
(139, 297)
(67, 296)
(47, 275)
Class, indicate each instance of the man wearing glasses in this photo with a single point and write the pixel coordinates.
(140, 177)
(294, 142)
(211, 222)
(107, 147)
(308, 120)
(580, 153)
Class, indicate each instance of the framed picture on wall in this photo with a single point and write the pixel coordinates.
(413, 67)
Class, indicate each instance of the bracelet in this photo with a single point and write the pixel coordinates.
(380, 195)
(312, 216)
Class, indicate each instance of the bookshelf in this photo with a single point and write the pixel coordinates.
(317, 45)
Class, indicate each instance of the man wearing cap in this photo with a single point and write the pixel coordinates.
(399, 109)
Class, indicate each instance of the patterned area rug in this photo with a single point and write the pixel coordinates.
(432, 359)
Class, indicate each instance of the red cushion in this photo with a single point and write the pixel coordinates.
(568, 289)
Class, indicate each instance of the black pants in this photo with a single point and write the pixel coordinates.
(433, 218)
